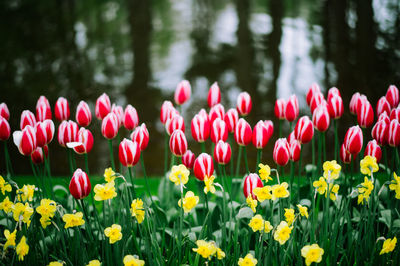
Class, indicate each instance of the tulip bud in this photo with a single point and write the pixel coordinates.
(84, 141)
(316, 101)
(67, 132)
(222, 152)
(166, 111)
(103, 106)
(43, 110)
(204, 114)
(129, 152)
(141, 136)
(360, 101)
(392, 96)
(61, 109)
(200, 128)
(292, 108)
(41, 134)
(353, 103)
(188, 159)
(374, 150)
(49, 126)
(182, 92)
(231, 118)
(217, 111)
(314, 89)
(27, 118)
(335, 106)
(294, 150)
(83, 115)
(395, 114)
(353, 140)
(5, 129)
(304, 130)
(80, 186)
(110, 126)
(382, 106)
(243, 133)
(281, 153)
(214, 95)
(203, 166)
(380, 132)
(119, 111)
(333, 92)
(394, 133)
(243, 103)
(60, 133)
(345, 156)
(279, 109)
(174, 123)
(250, 183)
(37, 155)
(25, 140)
(178, 143)
(270, 128)
(291, 137)
(4, 112)
(365, 114)
(131, 118)
(321, 118)
(219, 130)
(260, 135)
(384, 116)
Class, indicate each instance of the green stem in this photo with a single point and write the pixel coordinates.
(145, 177)
(232, 155)
(133, 185)
(313, 153)
(180, 227)
(259, 155)
(87, 163)
(336, 140)
(280, 128)
(291, 180)
(71, 168)
(165, 153)
(323, 146)
(299, 175)
(245, 160)
(319, 152)
(110, 146)
(9, 168)
(238, 161)
(203, 147)
(47, 168)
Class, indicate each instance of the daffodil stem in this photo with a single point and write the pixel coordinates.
(245, 160)
(319, 151)
(312, 235)
(146, 179)
(396, 159)
(85, 213)
(259, 155)
(180, 227)
(133, 185)
(238, 161)
(110, 147)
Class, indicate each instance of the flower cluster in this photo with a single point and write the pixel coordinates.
(208, 250)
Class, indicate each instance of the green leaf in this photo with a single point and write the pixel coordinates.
(396, 223)
(244, 212)
(386, 217)
(60, 188)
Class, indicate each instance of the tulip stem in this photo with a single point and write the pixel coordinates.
(145, 177)
(259, 155)
(110, 146)
(180, 227)
(231, 143)
(313, 154)
(324, 146)
(131, 178)
(71, 168)
(238, 161)
(280, 128)
(47, 168)
(336, 139)
(298, 176)
(8, 161)
(319, 151)
(165, 153)
(291, 180)
(396, 156)
(245, 160)
(203, 147)
(87, 163)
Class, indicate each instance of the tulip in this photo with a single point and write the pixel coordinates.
(5, 129)
(131, 118)
(292, 108)
(260, 135)
(174, 123)
(395, 114)
(41, 134)
(103, 106)
(243, 103)
(60, 134)
(333, 92)
(316, 101)
(188, 159)
(279, 109)
(61, 109)
(166, 111)
(203, 166)
(250, 183)
(37, 155)
(67, 132)
(27, 118)
(231, 117)
(217, 111)
(83, 115)
(110, 126)
(294, 150)
(141, 136)
(314, 89)
(321, 118)
(365, 114)
(222, 152)
(200, 128)
(281, 152)
(182, 92)
(345, 156)
(335, 106)
(384, 116)
(4, 112)
(304, 130)
(25, 140)
(382, 106)
(243, 133)
(219, 130)
(392, 96)
(203, 114)
(353, 140)
(360, 101)
(373, 149)
(43, 110)
(353, 103)
(80, 186)
(291, 137)
(270, 128)
(84, 141)
(49, 126)
(380, 132)
(119, 111)
(178, 143)
(214, 95)
(129, 152)
(394, 133)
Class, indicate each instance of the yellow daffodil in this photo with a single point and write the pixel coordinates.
(4, 186)
(26, 193)
(282, 232)
(303, 210)
(263, 193)
(264, 172)
(257, 223)
(334, 189)
(137, 210)
(312, 253)
(220, 254)
(249, 260)
(267, 227)
(209, 184)
(179, 174)
(130, 260)
(320, 185)
(72, 220)
(388, 245)
(109, 175)
(94, 263)
(368, 165)
(280, 191)
(252, 203)
(364, 191)
(395, 185)
(47, 207)
(22, 248)
(56, 263)
(331, 170)
(104, 192)
(6, 205)
(23, 211)
(113, 233)
(204, 249)
(189, 201)
(289, 216)
(10, 238)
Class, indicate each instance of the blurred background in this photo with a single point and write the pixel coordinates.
(137, 51)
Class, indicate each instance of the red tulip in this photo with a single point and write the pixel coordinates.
(69, 133)
(365, 114)
(178, 143)
(394, 133)
(380, 132)
(270, 128)
(219, 131)
(129, 152)
(291, 137)
(384, 116)
(182, 92)
(174, 123)
(214, 95)
(316, 101)
(250, 183)
(279, 109)
(83, 115)
(354, 102)
(141, 136)
(43, 109)
(131, 118)
(60, 133)
(392, 96)
(382, 106)
(294, 150)
(166, 111)
(292, 108)
(222, 152)
(188, 159)
(61, 109)
(243, 103)
(41, 134)
(200, 128)
(119, 112)
(203, 114)
(83, 143)
(37, 155)
(103, 106)
(321, 118)
(231, 118)
(4, 112)
(333, 92)
(374, 150)
(243, 133)
(353, 140)
(203, 166)
(260, 135)
(335, 106)
(395, 114)
(217, 111)
(345, 156)
(360, 101)
(304, 130)
(281, 152)
(27, 118)
(314, 89)
(80, 186)
(5, 129)
(25, 140)
(110, 126)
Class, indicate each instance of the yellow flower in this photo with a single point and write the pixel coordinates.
(22, 248)
(280, 191)
(179, 174)
(209, 184)
(388, 245)
(331, 170)
(137, 210)
(4, 186)
(320, 185)
(282, 232)
(364, 191)
(257, 223)
(47, 207)
(6, 205)
(312, 253)
(264, 172)
(289, 216)
(220, 254)
(104, 192)
(368, 165)
(249, 260)
(303, 210)
(56, 263)
(130, 260)
(252, 203)
(189, 201)
(113, 233)
(94, 263)
(334, 191)
(72, 220)
(26, 193)
(263, 193)
(23, 211)
(204, 249)
(45, 221)
(395, 185)
(109, 175)
(267, 227)
(10, 238)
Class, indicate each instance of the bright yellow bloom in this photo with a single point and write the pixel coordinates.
(113, 233)
(137, 210)
(289, 216)
(72, 220)
(368, 165)
(179, 174)
(331, 170)
(10, 238)
(130, 260)
(320, 185)
(264, 172)
(220, 254)
(280, 191)
(6, 205)
(22, 248)
(189, 201)
(249, 260)
(104, 192)
(257, 223)
(26, 193)
(47, 207)
(56, 263)
(312, 253)
(94, 263)
(23, 211)
(388, 245)
(4, 186)
(109, 175)
(263, 193)
(334, 189)
(303, 210)
(395, 185)
(364, 191)
(282, 232)
(209, 184)
(204, 249)
(252, 203)
(267, 227)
